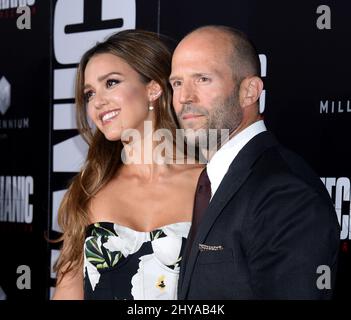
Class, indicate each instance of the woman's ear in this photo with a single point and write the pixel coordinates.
(154, 90)
(250, 91)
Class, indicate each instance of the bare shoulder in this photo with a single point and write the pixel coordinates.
(99, 204)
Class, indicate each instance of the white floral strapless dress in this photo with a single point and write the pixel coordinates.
(122, 263)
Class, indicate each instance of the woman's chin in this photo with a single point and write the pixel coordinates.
(112, 136)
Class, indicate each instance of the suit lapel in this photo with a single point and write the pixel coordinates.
(238, 172)
(229, 186)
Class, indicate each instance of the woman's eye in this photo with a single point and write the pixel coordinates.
(111, 82)
(88, 95)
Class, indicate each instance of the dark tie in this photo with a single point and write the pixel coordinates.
(202, 199)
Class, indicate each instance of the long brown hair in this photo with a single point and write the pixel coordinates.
(147, 54)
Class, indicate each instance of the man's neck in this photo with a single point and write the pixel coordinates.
(209, 153)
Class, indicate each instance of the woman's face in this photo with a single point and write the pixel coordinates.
(116, 97)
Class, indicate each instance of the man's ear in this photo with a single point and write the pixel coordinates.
(250, 91)
(154, 90)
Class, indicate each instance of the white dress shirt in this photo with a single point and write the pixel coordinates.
(219, 164)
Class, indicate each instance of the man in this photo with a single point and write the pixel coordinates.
(270, 223)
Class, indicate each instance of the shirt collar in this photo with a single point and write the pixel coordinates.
(219, 164)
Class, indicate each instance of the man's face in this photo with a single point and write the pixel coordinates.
(205, 95)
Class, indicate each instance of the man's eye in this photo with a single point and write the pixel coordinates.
(111, 82)
(88, 95)
(204, 79)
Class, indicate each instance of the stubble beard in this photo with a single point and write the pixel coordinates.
(225, 114)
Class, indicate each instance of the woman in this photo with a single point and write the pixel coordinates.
(131, 217)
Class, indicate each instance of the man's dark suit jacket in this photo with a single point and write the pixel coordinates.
(276, 224)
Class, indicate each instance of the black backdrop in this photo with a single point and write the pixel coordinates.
(306, 104)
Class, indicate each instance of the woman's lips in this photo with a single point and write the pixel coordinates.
(108, 116)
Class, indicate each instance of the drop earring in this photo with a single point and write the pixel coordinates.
(151, 107)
